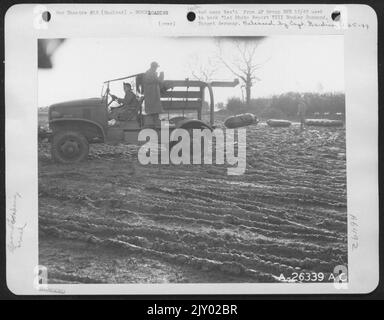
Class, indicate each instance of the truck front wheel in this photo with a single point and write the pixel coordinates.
(69, 147)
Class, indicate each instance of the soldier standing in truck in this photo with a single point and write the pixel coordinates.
(151, 84)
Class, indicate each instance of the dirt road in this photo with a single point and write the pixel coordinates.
(112, 220)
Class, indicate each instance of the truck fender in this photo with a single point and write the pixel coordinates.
(79, 125)
(193, 124)
(190, 124)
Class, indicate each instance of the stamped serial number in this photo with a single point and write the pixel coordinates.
(304, 277)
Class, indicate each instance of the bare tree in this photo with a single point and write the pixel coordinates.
(203, 70)
(243, 64)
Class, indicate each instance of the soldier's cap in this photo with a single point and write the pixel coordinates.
(127, 84)
(154, 64)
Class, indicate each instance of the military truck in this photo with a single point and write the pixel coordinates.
(74, 125)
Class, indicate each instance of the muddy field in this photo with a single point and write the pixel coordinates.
(112, 220)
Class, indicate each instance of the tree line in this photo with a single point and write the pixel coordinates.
(285, 106)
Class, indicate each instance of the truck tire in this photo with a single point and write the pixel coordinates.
(189, 127)
(69, 147)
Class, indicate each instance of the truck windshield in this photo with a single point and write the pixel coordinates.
(104, 90)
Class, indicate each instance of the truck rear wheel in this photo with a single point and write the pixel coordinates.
(69, 147)
(189, 127)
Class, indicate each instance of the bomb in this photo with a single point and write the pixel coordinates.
(278, 123)
(324, 123)
(241, 120)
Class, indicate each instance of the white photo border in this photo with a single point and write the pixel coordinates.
(361, 88)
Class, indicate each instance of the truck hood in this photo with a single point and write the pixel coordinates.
(91, 102)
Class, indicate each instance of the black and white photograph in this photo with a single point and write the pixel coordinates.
(191, 150)
(106, 217)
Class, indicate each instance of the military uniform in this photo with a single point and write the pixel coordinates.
(151, 84)
(129, 104)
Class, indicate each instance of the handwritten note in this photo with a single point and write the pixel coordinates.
(16, 230)
(354, 231)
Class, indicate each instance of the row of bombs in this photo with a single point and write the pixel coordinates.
(247, 119)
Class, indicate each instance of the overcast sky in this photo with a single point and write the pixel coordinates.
(290, 63)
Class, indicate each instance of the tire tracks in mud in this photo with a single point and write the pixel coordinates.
(287, 213)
